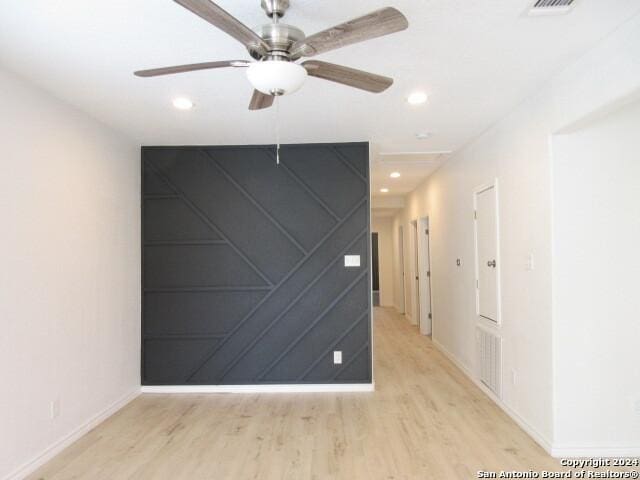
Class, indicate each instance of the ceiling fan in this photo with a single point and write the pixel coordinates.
(276, 47)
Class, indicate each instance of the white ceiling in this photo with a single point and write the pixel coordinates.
(385, 212)
(476, 60)
(413, 168)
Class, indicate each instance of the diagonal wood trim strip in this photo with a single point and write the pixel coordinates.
(276, 287)
(330, 348)
(352, 359)
(208, 221)
(315, 321)
(293, 302)
(302, 183)
(250, 197)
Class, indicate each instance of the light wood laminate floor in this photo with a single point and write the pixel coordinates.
(426, 420)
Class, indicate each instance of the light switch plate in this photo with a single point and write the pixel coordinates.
(337, 357)
(352, 260)
(531, 265)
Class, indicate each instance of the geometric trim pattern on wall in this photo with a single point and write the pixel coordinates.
(244, 279)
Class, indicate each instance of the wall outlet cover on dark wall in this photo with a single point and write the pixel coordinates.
(244, 278)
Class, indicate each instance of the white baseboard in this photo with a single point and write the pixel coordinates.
(297, 388)
(71, 437)
(591, 451)
(522, 423)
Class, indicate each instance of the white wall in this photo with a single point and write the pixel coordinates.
(517, 152)
(70, 275)
(382, 226)
(596, 276)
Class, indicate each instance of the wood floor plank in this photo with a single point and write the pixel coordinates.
(425, 420)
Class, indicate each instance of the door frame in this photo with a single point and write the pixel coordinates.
(424, 276)
(478, 190)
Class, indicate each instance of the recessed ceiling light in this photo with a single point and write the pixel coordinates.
(384, 190)
(417, 98)
(395, 175)
(182, 103)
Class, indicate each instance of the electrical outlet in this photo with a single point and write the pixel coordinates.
(513, 377)
(54, 409)
(637, 408)
(337, 357)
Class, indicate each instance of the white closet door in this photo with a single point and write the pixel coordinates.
(487, 253)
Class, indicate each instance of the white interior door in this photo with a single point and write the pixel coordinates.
(401, 264)
(424, 274)
(487, 267)
(415, 306)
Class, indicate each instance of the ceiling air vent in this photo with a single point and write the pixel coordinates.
(551, 7)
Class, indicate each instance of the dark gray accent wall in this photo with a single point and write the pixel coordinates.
(243, 265)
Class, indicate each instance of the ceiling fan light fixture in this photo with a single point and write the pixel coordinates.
(276, 77)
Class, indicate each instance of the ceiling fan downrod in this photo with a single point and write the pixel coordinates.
(275, 8)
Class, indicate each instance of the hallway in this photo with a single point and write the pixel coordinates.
(425, 420)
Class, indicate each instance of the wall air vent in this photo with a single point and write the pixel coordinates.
(551, 7)
(490, 357)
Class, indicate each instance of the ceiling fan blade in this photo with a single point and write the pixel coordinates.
(260, 101)
(218, 17)
(192, 67)
(376, 24)
(348, 76)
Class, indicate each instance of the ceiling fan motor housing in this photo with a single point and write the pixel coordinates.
(279, 37)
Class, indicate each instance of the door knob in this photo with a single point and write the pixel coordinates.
(491, 263)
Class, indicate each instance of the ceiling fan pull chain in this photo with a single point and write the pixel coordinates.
(277, 102)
